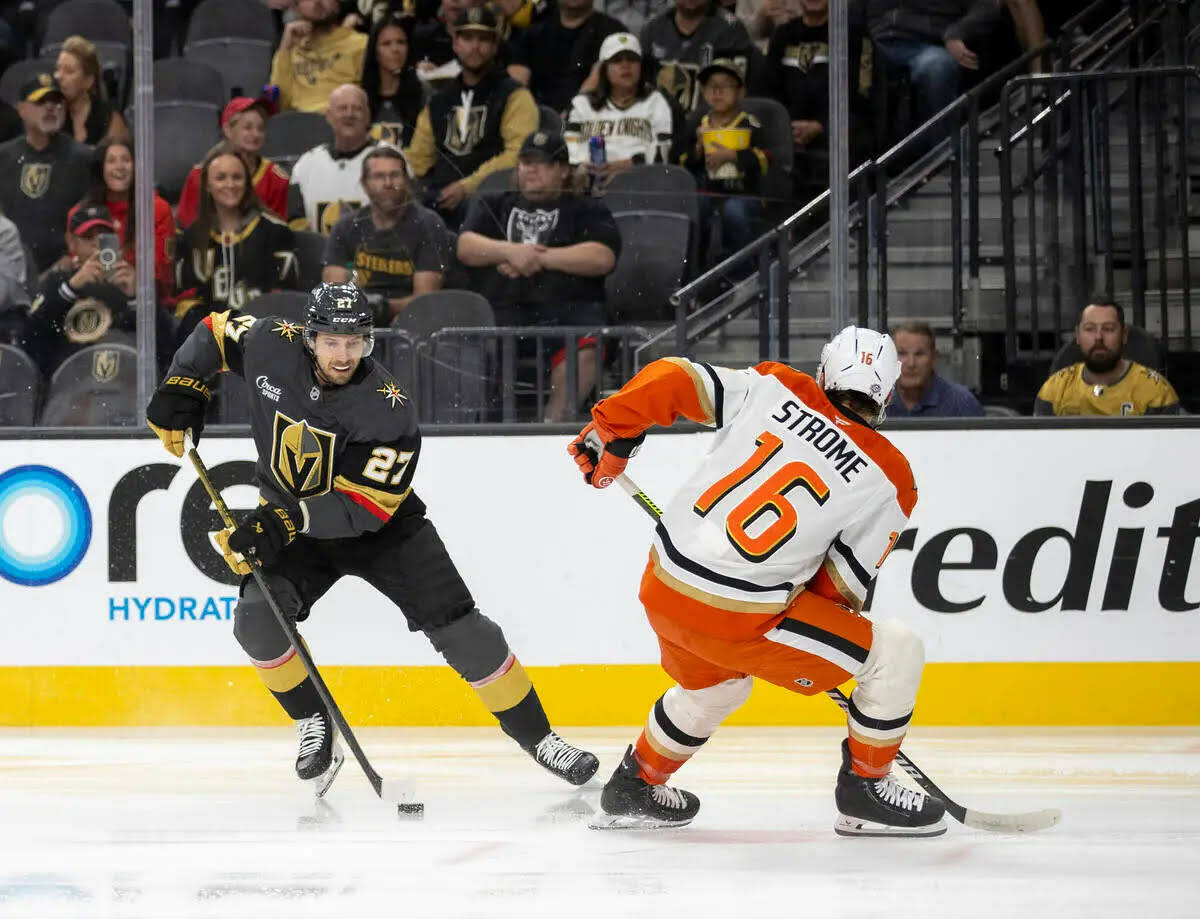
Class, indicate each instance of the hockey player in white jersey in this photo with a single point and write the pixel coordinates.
(760, 566)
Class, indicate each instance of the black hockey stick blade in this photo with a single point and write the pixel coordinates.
(402, 793)
(979, 820)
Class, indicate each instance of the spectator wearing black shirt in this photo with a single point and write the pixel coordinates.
(43, 173)
(555, 56)
(543, 253)
(389, 79)
(84, 302)
(797, 74)
(77, 72)
(475, 125)
(394, 249)
(432, 46)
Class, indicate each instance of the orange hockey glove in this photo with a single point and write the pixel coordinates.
(601, 456)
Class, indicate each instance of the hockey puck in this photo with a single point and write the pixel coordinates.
(411, 811)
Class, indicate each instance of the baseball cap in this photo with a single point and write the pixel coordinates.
(38, 88)
(90, 217)
(617, 43)
(477, 19)
(727, 65)
(239, 104)
(549, 145)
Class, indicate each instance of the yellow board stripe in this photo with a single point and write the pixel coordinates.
(971, 694)
(503, 693)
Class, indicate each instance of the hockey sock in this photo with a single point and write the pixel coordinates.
(872, 761)
(664, 745)
(290, 684)
(508, 694)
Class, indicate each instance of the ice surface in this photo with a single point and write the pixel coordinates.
(175, 824)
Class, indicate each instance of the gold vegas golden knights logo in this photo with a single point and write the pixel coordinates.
(302, 457)
(35, 179)
(105, 365)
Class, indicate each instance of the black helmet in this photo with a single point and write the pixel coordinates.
(340, 309)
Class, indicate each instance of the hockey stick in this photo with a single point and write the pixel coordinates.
(399, 793)
(980, 820)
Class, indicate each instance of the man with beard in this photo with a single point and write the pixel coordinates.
(474, 126)
(1105, 382)
(542, 254)
(45, 171)
(327, 180)
(395, 249)
(316, 55)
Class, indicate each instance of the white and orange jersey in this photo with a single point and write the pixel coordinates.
(793, 495)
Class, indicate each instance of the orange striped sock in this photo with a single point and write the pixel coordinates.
(654, 766)
(870, 761)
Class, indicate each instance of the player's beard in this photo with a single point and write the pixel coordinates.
(1101, 360)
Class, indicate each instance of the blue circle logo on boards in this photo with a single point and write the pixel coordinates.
(45, 525)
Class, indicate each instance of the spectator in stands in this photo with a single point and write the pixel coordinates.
(389, 79)
(728, 156)
(77, 72)
(112, 188)
(930, 40)
(762, 18)
(521, 14)
(1105, 382)
(316, 55)
(235, 250)
(432, 44)
(553, 57)
(797, 74)
(84, 301)
(545, 252)
(394, 249)
(14, 297)
(921, 392)
(42, 173)
(474, 126)
(637, 122)
(682, 40)
(244, 125)
(1033, 20)
(327, 180)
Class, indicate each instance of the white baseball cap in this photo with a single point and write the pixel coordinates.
(618, 42)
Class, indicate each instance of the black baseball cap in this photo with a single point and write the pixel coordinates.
(90, 217)
(734, 68)
(548, 145)
(477, 19)
(39, 88)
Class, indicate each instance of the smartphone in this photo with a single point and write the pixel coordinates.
(109, 252)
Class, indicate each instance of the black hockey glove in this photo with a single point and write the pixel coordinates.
(178, 406)
(266, 532)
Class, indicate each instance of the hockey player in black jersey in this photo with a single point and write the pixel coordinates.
(338, 444)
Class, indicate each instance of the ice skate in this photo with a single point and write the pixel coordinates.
(630, 802)
(320, 756)
(569, 763)
(883, 807)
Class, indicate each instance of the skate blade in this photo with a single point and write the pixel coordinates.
(854, 826)
(321, 783)
(603, 821)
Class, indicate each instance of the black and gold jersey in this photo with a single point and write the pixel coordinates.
(341, 457)
(1141, 391)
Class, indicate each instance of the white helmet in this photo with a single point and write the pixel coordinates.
(861, 361)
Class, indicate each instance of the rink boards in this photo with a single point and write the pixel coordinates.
(1049, 572)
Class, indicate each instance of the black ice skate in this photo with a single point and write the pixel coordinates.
(565, 761)
(320, 756)
(630, 802)
(883, 807)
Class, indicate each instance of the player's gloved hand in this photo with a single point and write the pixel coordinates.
(235, 560)
(266, 532)
(601, 455)
(178, 406)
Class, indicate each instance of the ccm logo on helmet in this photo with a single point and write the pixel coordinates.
(344, 319)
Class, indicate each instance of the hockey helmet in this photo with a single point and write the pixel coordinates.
(861, 361)
(340, 309)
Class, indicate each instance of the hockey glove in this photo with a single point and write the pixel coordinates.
(176, 407)
(266, 532)
(235, 560)
(601, 456)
